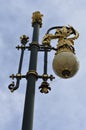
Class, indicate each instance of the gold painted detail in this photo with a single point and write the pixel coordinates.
(24, 39)
(47, 39)
(45, 76)
(32, 72)
(65, 42)
(44, 87)
(37, 17)
(65, 45)
(17, 76)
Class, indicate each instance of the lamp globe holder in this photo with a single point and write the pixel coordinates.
(65, 63)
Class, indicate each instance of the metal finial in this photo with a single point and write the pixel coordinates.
(24, 39)
(37, 17)
(44, 88)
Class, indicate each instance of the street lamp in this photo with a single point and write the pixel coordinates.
(65, 63)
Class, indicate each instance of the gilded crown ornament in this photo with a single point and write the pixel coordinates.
(37, 17)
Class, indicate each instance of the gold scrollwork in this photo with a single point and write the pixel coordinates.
(47, 39)
(63, 35)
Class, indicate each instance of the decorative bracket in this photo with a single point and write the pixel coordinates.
(63, 34)
(45, 77)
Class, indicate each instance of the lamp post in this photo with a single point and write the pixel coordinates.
(65, 63)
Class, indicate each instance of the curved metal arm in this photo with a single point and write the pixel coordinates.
(62, 32)
(52, 28)
(23, 39)
(11, 86)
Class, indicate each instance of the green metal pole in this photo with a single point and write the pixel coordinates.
(31, 76)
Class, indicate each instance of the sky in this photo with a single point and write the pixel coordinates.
(64, 108)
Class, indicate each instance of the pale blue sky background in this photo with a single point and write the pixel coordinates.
(64, 108)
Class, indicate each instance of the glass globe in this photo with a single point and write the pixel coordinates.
(65, 64)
